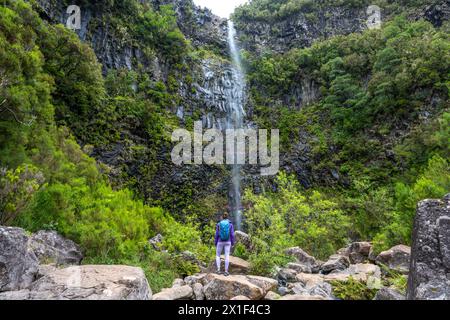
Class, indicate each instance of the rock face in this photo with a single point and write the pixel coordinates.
(197, 24)
(429, 276)
(18, 263)
(397, 258)
(301, 28)
(50, 247)
(87, 283)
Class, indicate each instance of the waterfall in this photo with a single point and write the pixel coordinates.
(235, 120)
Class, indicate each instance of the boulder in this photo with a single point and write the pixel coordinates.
(244, 239)
(302, 297)
(397, 258)
(18, 263)
(365, 268)
(299, 267)
(156, 242)
(365, 272)
(198, 291)
(197, 278)
(388, 294)
(175, 293)
(237, 265)
(335, 262)
(286, 275)
(358, 252)
(304, 258)
(178, 283)
(267, 284)
(429, 276)
(51, 248)
(15, 295)
(272, 296)
(282, 291)
(240, 298)
(92, 282)
(220, 287)
(309, 280)
(322, 289)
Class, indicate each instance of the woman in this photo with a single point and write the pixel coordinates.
(223, 240)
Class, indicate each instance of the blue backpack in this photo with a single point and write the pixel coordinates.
(224, 230)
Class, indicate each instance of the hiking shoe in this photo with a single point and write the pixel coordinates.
(218, 272)
(226, 274)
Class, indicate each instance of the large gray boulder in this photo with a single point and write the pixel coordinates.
(388, 294)
(397, 258)
(178, 292)
(92, 282)
(287, 275)
(429, 277)
(51, 248)
(219, 287)
(322, 289)
(87, 282)
(298, 267)
(18, 263)
(304, 258)
(336, 262)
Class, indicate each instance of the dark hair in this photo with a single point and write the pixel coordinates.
(225, 215)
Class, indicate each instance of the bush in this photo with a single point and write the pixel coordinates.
(17, 188)
(352, 290)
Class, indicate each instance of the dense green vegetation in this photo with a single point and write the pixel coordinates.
(290, 218)
(272, 11)
(376, 123)
(51, 81)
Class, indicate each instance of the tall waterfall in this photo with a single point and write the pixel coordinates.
(235, 120)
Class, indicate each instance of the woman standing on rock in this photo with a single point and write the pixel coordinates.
(223, 240)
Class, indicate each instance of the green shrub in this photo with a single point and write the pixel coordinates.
(352, 290)
(17, 188)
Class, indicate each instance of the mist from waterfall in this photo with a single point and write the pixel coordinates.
(235, 120)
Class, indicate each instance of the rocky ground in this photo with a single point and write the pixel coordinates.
(47, 266)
